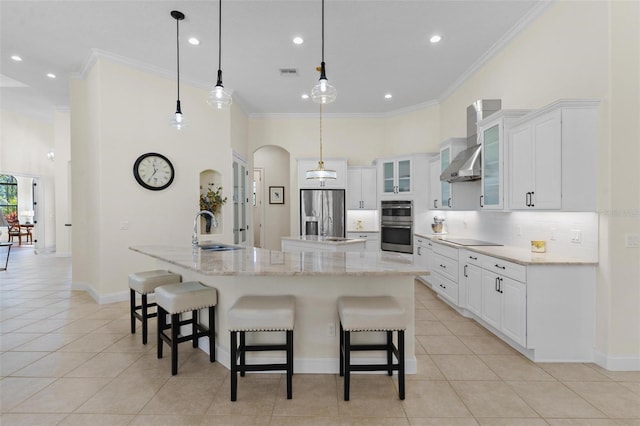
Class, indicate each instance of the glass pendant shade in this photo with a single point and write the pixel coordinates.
(177, 118)
(323, 92)
(321, 173)
(219, 98)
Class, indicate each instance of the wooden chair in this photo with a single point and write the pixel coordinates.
(15, 230)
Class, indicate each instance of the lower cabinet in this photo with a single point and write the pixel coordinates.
(472, 276)
(504, 305)
(373, 239)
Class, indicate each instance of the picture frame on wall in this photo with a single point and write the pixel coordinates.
(276, 195)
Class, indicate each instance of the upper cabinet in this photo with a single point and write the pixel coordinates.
(552, 158)
(448, 151)
(361, 188)
(337, 164)
(435, 194)
(491, 131)
(395, 176)
(457, 195)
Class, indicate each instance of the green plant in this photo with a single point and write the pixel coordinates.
(212, 199)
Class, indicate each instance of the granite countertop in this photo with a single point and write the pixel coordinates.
(517, 254)
(324, 240)
(252, 261)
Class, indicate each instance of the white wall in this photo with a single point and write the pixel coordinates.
(277, 218)
(62, 151)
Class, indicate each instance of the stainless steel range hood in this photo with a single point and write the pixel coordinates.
(468, 164)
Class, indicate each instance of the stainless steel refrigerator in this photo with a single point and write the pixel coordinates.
(322, 212)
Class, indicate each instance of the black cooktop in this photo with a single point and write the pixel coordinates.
(469, 242)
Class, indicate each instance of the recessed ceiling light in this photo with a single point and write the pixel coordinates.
(194, 41)
(388, 96)
(304, 96)
(16, 58)
(435, 38)
(298, 40)
(51, 75)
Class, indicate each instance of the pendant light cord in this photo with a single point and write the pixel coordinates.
(323, 31)
(321, 162)
(219, 83)
(178, 53)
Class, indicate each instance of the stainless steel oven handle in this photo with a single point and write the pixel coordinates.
(397, 226)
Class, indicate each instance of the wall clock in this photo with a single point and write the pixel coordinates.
(153, 171)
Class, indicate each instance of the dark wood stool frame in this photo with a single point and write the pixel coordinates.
(142, 317)
(239, 353)
(197, 330)
(345, 359)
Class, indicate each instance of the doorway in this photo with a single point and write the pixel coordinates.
(258, 207)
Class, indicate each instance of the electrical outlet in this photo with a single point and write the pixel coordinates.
(124, 225)
(632, 240)
(576, 236)
(331, 329)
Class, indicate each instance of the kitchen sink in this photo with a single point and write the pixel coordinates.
(218, 247)
(336, 239)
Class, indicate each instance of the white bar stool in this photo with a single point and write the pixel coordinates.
(176, 299)
(145, 283)
(374, 313)
(260, 313)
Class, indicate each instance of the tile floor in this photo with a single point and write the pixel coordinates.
(64, 360)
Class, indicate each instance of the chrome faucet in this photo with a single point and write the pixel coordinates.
(214, 222)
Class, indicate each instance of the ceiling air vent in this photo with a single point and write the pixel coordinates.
(288, 72)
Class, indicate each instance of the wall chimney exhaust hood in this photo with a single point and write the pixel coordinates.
(468, 164)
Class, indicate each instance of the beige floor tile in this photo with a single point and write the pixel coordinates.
(448, 314)
(418, 349)
(443, 345)
(431, 328)
(11, 362)
(492, 399)
(184, 396)
(55, 364)
(133, 343)
(374, 421)
(463, 367)
(465, 328)
(313, 395)
(614, 400)
(515, 367)
(441, 421)
(554, 399)
(123, 325)
(92, 343)
(633, 386)
(305, 421)
(619, 376)
(105, 365)
(255, 397)
(433, 399)
(424, 315)
(582, 422)
(573, 372)
(14, 390)
(14, 324)
(215, 420)
(42, 326)
(62, 396)
(426, 370)
(83, 325)
(167, 420)
(49, 342)
(97, 420)
(123, 395)
(432, 303)
(372, 395)
(29, 419)
(487, 345)
(148, 365)
(511, 422)
(199, 365)
(9, 341)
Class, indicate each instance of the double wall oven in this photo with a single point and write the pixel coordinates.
(396, 226)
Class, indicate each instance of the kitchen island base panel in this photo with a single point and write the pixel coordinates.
(316, 310)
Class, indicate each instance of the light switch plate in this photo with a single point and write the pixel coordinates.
(576, 236)
(632, 240)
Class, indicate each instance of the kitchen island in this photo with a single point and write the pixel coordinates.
(315, 279)
(318, 243)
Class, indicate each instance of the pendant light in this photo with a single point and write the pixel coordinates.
(320, 173)
(219, 97)
(177, 119)
(323, 92)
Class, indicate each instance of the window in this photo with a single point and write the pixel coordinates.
(9, 197)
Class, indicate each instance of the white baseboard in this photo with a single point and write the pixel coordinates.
(617, 363)
(121, 296)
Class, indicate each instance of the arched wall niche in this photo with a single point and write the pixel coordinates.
(208, 177)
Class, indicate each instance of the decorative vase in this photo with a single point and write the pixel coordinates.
(207, 223)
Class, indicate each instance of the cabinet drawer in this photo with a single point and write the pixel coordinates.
(447, 251)
(445, 287)
(470, 257)
(445, 266)
(503, 267)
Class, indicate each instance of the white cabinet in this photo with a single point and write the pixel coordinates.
(552, 158)
(449, 149)
(470, 282)
(373, 239)
(361, 188)
(423, 254)
(504, 305)
(492, 132)
(444, 272)
(395, 176)
(445, 195)
(337, 164)
(434, 201)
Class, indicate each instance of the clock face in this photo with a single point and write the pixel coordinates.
(153, 171)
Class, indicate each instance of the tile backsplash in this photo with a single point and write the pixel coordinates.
(362, 220)
(517, 229)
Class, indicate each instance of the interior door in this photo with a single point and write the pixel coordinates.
(240, 200)
(258, 209)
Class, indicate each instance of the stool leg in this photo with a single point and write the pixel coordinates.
(390, 353)
(243, 356)
(289, 363)
(341, 350)
(175, 328)
(194, 328)
(144, 319)
(347, 363)
(212, 334)
(132, 306)
(162, 318)
(234, 366)
(401, 363)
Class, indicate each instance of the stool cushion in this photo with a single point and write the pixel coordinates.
(185, 297)
(375, 313)
(146, 282)
(262, 313)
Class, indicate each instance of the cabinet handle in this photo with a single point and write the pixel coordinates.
(500, 285)
(531, 199)
(526, 199)
(435, 204)
(465, 271)
(501, 267)
(419, 254)
(497, 285)
(449, 202)
(473, 258)
(482, 201)
(443, 267)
